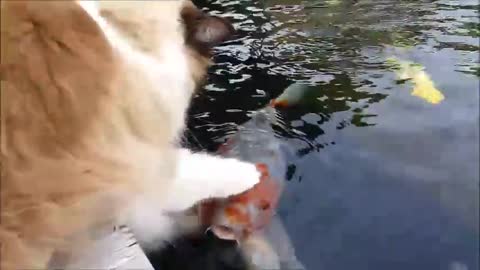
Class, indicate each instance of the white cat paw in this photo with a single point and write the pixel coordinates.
(203, 176)
(238, 177)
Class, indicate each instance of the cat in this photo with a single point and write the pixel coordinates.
(93, 100)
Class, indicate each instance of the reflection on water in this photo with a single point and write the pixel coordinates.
(381, 179)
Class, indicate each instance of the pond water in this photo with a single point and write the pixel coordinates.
(382, 178)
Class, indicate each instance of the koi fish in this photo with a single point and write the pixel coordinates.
(423, 86)
(236, 217)
(249, 218)
(239, 216)
(292, 95)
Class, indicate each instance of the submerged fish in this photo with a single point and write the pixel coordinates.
(255, 141)
(249, 218)
(238, 216)
(292, 95)
(424, 87)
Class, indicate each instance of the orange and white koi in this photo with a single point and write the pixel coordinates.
(237, 217)
(248, 217)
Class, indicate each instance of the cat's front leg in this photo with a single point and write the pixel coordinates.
(202, 176)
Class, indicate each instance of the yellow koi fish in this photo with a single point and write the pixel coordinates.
(424, 87)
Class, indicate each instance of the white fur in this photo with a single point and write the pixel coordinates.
(172, 70)
(207, 177)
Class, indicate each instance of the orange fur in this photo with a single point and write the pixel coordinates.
(77, 137)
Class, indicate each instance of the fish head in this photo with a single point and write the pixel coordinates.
(237, 217)
(280, 104)
(291, 96)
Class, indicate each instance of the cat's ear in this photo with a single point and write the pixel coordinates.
(212, 31)
(203, 31)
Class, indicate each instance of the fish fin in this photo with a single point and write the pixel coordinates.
(201, 176)
(260, 253)
(223, 233)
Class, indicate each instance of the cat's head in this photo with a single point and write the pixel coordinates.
(168, 45)
(165, 27)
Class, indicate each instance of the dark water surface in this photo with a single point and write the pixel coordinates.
(382, 179)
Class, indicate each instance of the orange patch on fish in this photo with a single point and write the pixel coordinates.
(236, 215)
(279, 104)
(264, 197)
(267, 190)
(206, 211)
